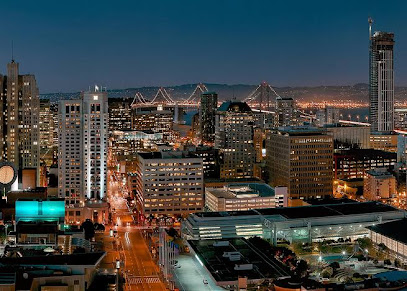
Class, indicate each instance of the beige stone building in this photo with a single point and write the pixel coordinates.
(169, 183)
(379, 184)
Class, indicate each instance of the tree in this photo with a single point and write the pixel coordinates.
(327, 272)
(89, 229)
(334, 265)
(172, 232)
(302, 267)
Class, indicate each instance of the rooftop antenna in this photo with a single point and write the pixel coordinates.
(12, 51)
(370, 20)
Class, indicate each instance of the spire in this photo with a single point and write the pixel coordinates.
(12, 51)
(370, 20)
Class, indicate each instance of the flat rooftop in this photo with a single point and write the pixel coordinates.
(85, 259)
(362, 153)
(300, 131)
(167, 155)
(222, 268)
(392, 230)
(326, 210)
(249, 190)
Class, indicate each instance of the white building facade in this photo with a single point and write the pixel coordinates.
(83, 133)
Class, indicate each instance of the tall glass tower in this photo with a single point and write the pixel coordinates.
(381, 81)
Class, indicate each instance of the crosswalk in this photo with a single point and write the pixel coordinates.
(132, 280)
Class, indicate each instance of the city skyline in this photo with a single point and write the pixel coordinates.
(138, 44)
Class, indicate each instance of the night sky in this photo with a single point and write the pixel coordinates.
(121, 44)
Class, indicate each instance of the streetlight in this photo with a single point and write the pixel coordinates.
(117, 273)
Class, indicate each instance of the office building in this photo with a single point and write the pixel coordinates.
(157, 120)
(402, 148)
(40, 272)
(83, 126)
(129, 142)
(328, 115)
(119, 114)
(381, 81)
(53, 107)
(207, 112)
(379, 184)
(242, 197)
(300, 158)
(195, 126)
(349, 136)
(285, 112)
(19, 124)
(259, 141)
(210, 160)
(169, 183)
(234, 139)
(295, 224)
(393, 236)
(400, 118)
(46, 124)
(385, 141)
(353, 164)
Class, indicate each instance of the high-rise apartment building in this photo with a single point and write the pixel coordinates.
(169, 183)
(300, 158)
(83, 131)
(207, 113)
(381, 81)
(19, 123)
(234, 139)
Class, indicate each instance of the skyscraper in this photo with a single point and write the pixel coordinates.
(207, 112)
(234, 139)
(82, 140)
(19, 123)
(381, 81)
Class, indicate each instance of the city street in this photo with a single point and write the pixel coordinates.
(138, 266)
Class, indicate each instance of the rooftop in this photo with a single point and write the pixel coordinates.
(351, 208)
(249, 190)
(360, 153)
(234, 106)
(86, 259)
(392, 230)
(300, 130)
(33, 227)
(167, 155)
(334, 125)
(380, 173)
(222, 268)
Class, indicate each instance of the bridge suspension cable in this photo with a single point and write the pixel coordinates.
(138, 98)
(163, 95)
(199, 89)
(262, 94)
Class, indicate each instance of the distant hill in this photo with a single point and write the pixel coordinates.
(241, 91)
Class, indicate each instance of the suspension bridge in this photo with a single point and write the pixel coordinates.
(261, 98)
